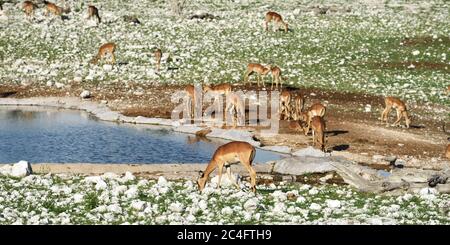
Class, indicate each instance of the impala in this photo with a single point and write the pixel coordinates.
(399, 106)
(275, 17)
(235, 107)
(54, 9)
(285, 107)
(276, 77)
(105, 49)
(259, 69)
(28, 8)
(316, 109)
(226, 155)
(318, 129)
(93, 13)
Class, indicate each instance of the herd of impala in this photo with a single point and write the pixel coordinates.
(291, 102)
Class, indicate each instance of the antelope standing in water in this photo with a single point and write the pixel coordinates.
(93, 13)
(105, 49)
(158, 54)
(399, 106)
(226, 155)
(259, 69)
(275, 17)
(29, 7)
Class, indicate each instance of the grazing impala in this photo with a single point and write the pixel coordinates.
(399, 106)
(93, 13)
(316, 109)
(259, 69)
(285, 107)
(226, 155)
(276, 77)
(318, 129)
(275, 17)
(235, 107)
(105, 49)
(28, 8)
(54, 9)
(158, 54)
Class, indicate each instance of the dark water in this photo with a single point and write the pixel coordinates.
(39, 135)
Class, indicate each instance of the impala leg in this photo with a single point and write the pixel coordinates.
(220, 168)
(252, 173)
(399, 117)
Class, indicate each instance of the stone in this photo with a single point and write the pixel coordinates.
(333, 203)
(278, 148)
(20, 169)
(303, 165)
(399, 163)
(309, 151)
(85, 94)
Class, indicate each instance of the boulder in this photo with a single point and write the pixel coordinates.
(85, 94)
(309, 151)
(232, 134)
(20, 169)
(303, 165)
(278, 148)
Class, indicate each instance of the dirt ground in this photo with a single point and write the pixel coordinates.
(349, 127)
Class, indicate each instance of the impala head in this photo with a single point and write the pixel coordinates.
(201, 182)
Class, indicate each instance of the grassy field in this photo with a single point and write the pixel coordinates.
(381, 47)
(112, 199)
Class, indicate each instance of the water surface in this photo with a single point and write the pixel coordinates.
(50, 135)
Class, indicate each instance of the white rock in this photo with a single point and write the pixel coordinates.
(59, 85)
(226, 211)
(176, 207)
(203, 205)
(20, 169)
(225, 181)
(109, 175)
(49, 83)
(78, 79)
(114, 208)
(315, 206)
(428, 191)
(132, 192)
(251, 204)
(138, 205)
(85, 94)
(128, 177)
(107, 67)
(309, 151)
(333, 203)
(101, 185)
(78, 198)
(162, 181)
